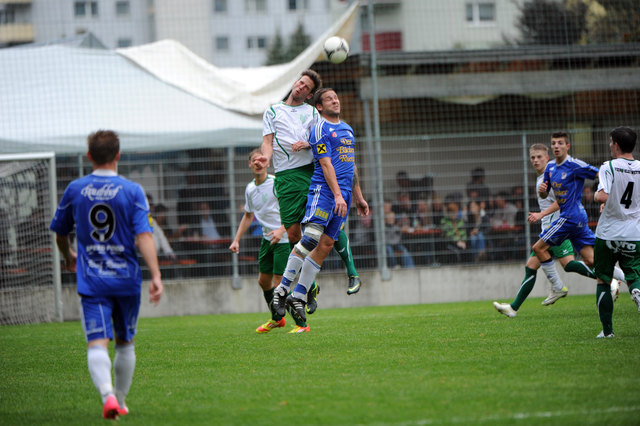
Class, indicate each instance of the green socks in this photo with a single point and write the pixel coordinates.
(525, 288)
(580, 268)
(604, 301)
(344, 250)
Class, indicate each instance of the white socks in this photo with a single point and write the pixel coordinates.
(123, 365)
(100, 370)
(551, 273)
(618, 274)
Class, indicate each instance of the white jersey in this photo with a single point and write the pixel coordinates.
(262, 202)
(544, 203)
(289, 124)
(620, 219)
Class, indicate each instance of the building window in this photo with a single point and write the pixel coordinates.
(125, 42)
(82, 8)
(7, 16)
(481, 12)
(220, 6)
(297, 4)
(222, 43)
(255, 6)
(122, 8)
(256, 42)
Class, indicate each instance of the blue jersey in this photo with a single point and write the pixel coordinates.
(567, 180)
(108, 212)
(335, 141)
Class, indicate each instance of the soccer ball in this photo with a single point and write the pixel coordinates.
(336, 49)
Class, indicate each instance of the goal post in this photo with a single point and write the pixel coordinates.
(30, 282)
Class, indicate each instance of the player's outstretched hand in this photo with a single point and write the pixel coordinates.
(155, 291)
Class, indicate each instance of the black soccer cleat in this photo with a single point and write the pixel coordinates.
(297, 305)
(354, 285)
(312, 298)
(279, 303)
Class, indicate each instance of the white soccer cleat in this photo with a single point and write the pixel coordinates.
(602, 335)
(615, 289)
(635, 296)
(555, 295)
(505, 309)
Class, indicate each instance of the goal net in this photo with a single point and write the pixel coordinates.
(30, 289)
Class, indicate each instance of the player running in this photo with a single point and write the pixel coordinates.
(111, 217)
(566, 176)
(334, 181)
(539, 156)
(618, 230)
(261, 202)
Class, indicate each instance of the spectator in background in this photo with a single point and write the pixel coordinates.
(478, 191)
(454, 232)
(417, 188)
(505, 212)
(397, 253)
(437, 209)
(404, 209)
(163, 247)
(423, 217)
(478, 225)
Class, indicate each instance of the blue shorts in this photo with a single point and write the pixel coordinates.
(97, 313)
(321, 210)
(564, 229)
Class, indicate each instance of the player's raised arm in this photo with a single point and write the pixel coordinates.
(267, 149)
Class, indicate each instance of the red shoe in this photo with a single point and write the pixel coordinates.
(270, 325)
(111, 408)
(123, 411)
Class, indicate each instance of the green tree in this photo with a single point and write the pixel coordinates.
(299, 41)
(276, 54)
(551, 22)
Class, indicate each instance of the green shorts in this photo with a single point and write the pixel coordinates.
(273, 257)
(292, 187)
(607, 253)
(563, 250)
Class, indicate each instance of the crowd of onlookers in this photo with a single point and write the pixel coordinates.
(477, 225)
(421, 225)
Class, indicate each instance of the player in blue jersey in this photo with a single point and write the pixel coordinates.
(566, 176)
(111, 217)
(333, 182)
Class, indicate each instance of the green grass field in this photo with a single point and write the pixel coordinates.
(458, 363)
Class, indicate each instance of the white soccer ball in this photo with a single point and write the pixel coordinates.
(336, 49)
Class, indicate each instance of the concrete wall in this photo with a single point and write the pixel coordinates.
(407, 286)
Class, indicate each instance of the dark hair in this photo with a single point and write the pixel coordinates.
(315, 77)
(561, 134)
(317, 99)
(625, 137)
(104, 146)
(161, 208)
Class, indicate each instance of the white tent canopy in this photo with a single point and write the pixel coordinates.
(159, 97)
(52, 97)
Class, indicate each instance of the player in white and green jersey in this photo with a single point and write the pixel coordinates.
(261, 203)
(618, 230)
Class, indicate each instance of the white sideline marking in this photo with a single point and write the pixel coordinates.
(522, 416)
